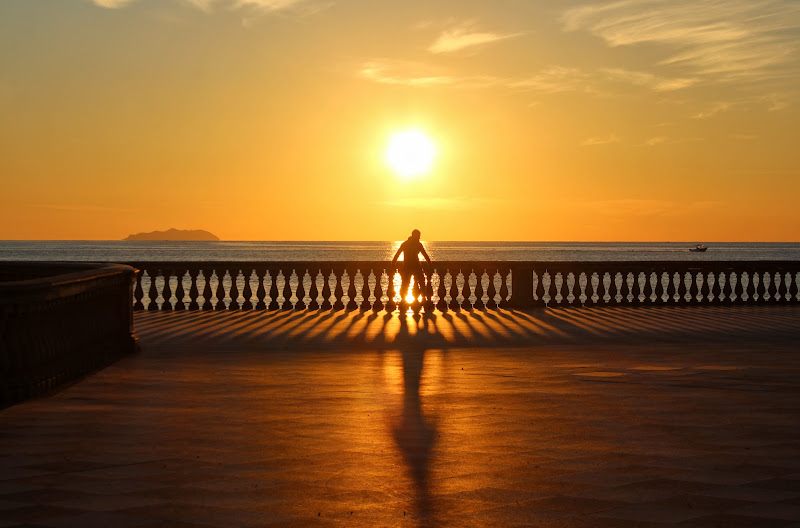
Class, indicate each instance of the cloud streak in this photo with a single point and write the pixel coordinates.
(720, 40)
(208, 5)
(461, 37)
(111, 4)
(648, 80)
(592, 141)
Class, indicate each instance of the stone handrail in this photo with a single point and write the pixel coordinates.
(59, 321)
(351, 285)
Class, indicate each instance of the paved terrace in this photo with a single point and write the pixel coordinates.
(612, 417)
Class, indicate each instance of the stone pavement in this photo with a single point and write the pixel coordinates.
(551, 419)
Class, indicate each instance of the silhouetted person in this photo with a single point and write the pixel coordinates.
(412, 267)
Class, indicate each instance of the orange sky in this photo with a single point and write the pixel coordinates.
(269, 119)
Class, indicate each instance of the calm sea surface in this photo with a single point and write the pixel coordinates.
(127, 251)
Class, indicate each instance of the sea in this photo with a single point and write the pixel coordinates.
(135, 251)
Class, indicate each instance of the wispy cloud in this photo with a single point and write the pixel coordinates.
(721, 40)
(555, 79)
(410, 73)
(716, 108)
(111, 4)
(403, 73)
(605, 140)
(648, 80)
(653, 141)
(465, 36)
(209, 5)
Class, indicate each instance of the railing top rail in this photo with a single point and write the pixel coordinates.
(515, 264)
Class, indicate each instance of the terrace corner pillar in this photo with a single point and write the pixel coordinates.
(521, 286)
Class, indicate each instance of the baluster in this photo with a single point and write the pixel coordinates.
(504, 293)
(618, 283)
(715, 290)
(247, 292)
(740, 290)
(301, 291)
(587, 289)
(166, 293)
(591, 289)
(672, 291)
(644, 288)
(234, 293)
(606, 284)
(313, 291)
(694, 287)
(377, 306)
(287, 291)
(559, 283)
(220, 290)
(453, 305)
(153, 292)
(351, 290)
(338, 292)
(776, 288)
(573, 290)
(794, 287)
(207, 289)
(441, 291)
(180, 273)
(193, 293)
(641, 281)
(725, 290)
(538, 288)
(544, 284)
(138, 292)
(619, 288)
(326, 291)
(783, 284)
(261, 292)
(632, 285)
(366, 292)
(683, 287)
(492, 289)
(769, 286)
(757, 287)
(467, 291)
(273, 305)
(479, 289)
(487, 283)
(728, 289)
(584, 290)
(764, 284)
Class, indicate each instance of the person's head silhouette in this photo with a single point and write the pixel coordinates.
(415, 234)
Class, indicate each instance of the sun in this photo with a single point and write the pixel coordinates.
(410, 153)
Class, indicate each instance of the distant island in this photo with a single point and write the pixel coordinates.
(175, 234)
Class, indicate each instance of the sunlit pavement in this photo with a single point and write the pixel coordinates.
(612, 418)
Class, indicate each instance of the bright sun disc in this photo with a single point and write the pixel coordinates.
(410, 153)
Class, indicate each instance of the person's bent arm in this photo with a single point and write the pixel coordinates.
(425, 254)
(397, 255)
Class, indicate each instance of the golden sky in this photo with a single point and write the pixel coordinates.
(270, 119)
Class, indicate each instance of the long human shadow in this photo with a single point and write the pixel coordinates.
(413, 433)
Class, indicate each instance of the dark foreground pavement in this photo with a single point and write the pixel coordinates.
(571, 419)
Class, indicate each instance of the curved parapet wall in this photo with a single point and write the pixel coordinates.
(59, 321)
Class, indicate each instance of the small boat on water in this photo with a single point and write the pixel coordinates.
(699, 248)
